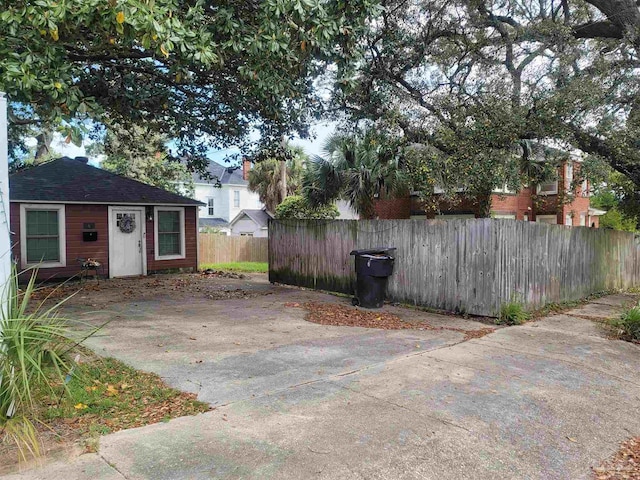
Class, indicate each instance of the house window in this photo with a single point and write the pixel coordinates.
(236, 198)
(548, 188)
(42, 235)
(568, 220)
(246, 234)
(550, 219)
(568, 175)
(169, 230)
(504, 190)
(210, 209)
(583, 219)
(504, 216)
(584, 188)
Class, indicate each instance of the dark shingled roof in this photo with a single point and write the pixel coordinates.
(260, 217)
(68, 180)
(226, 175)
(213, 222)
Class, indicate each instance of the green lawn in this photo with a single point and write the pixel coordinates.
(250, 267)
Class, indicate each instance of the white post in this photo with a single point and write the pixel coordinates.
(5, 226)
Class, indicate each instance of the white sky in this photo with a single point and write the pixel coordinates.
(311, 146)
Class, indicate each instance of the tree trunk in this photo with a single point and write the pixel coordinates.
(283, 180)
(43, 146)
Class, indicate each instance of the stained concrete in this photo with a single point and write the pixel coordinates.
(548, 399)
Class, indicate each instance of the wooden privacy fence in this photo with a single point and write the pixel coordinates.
(215, 248)
(471, 266)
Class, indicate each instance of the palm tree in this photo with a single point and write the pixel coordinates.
(269, 181)
(354, 168)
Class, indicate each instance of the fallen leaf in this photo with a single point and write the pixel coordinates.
(111, 390)
(571, 439)
(80, 406)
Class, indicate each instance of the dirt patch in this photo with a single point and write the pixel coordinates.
(222, 274)
(212, 286)
(625, 463)
(343, 316)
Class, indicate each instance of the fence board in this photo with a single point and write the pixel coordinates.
(471, 266)
(215, 248)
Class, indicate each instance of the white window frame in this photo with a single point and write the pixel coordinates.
(236, 193)
(568, 175)
(584, 188)
(156, 240)
(504, 190)
(548, 192)
(539, 219)
(503, 216)
(568, 220)
(583, 219)
(211, 208)
(62, 241)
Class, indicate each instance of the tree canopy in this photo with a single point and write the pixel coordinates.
(140, 153)
(356, 168)
(265, 178)
(205, 73)
(476, 83)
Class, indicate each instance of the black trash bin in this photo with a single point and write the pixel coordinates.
(374, 266)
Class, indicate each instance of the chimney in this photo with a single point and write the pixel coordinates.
(246, 166)
(83, 159)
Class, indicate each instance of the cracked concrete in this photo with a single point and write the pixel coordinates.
(548, 399)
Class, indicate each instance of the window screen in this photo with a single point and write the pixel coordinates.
(43, 236)
(169, 233)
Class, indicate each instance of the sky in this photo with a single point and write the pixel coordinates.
(311, 146)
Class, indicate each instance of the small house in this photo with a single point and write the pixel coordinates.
(251, 223)
(66, 211)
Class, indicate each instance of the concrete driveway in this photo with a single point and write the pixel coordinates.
(297, 400)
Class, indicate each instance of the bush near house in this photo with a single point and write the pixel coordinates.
(297, 207)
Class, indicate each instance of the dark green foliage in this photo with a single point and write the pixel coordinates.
(298, 207)
(206, 73)
(627, 327)
(356, 168)
(474, 87)
(140, 153)
(512, 313)
(265, 178)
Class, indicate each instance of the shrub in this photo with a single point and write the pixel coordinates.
(33, 348)
(627, 326)
(512, 313)
(297, 207)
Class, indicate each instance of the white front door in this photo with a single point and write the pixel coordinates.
(126, 241)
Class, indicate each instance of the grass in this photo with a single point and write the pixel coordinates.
(105, 395)
(627, 326)
(102, 395)
(245, 267)
(513, 313)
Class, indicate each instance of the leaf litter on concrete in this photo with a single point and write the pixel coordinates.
(343, 316)
(623, 465)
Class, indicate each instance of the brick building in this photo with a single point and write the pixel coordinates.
(546, 203)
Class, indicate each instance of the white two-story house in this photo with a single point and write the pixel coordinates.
(223, 203)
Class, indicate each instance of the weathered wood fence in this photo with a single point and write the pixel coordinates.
(471, 266)
(215, 248)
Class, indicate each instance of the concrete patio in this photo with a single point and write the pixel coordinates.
(294, 399)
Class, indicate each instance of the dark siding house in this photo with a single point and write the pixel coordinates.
(65, 211)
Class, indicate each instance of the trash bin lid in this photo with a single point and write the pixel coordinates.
(370, 251)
